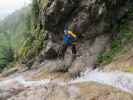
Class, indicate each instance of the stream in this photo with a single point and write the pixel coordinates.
(120, 80)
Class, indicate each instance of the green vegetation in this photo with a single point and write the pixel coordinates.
(130, 69)
(35, 12)
(6, 50)
(18, 26)
(22, 34)
(13, 31)
(121, 42)
(34, 43)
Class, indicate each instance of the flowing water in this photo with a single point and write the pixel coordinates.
(120, 80)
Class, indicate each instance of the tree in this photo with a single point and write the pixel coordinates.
(6, 50)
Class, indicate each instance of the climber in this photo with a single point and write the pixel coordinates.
(70, 39)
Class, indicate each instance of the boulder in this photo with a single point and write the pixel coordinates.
(81, 91)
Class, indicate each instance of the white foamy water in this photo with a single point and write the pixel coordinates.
(21, 81)
(120, 80)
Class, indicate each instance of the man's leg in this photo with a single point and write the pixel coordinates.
(62, 51)
(74, 51)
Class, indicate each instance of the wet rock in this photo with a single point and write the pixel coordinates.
(88, 52)
(9, 72)
(54, 66)
(82, 91)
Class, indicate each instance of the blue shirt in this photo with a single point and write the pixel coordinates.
(68, 39)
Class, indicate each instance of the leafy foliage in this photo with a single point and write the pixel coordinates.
(26, 35)
(13, 32)
(34, 43)
(35, 12)
(6, 50)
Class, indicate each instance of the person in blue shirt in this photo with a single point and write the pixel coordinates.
(70, 40)
(71, 37)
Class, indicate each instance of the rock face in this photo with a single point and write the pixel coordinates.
(92, 20)
(88, 17)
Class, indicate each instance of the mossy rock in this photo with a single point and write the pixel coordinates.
(23, 52)
(130, 69)
(43, 3)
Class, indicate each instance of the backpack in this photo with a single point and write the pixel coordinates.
(69, 37)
